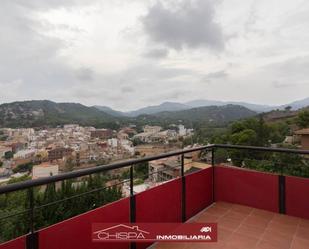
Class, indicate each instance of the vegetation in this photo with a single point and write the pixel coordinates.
(303, 119)
(47, 113)
(26, 167)
(256, 132)
(140, 172)
(8, 155)
(18, 202)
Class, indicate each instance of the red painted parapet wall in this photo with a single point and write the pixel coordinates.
(198, 191)
(18, 243)
(246, 187)
(159, 204)
(76, 232)
(163, 204)
(297, 196)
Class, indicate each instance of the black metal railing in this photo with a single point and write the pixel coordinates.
(32, 237)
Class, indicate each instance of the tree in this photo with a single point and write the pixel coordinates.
(141, 170)
(302, 119)
(69, 165)
(288, 108)
(8, 155)
(245, 137)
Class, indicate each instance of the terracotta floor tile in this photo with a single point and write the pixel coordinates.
(224, 234)
(217, 211)
(304, 223)
(235, 215)
(228, 223)
(251, 231)
(206, 217)
(242, 209)
(262, 214)
(300, 244)
(302, 232)
(241, 227)
(285, 219)
(241, 241)
(225, 205)
(265, 245)
(288, 230)
(256, 221)
(277, 239)
(210, 245)
(172, 245)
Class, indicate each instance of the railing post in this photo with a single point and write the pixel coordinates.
(183, 189)
(32, 240)
(281, 181)
(213, 173)
(132, 202)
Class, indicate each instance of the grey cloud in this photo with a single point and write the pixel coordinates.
(285, 84)
(29, 56)
(291, 70)
(217, 75)
(127, 89)
(190, 24)
(278, 84)
(85, 74)
(154, 83)
(157, 53)
(46, 4)
(222, 74)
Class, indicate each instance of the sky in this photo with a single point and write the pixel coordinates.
(127, 54)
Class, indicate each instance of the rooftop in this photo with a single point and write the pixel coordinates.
(302, 132)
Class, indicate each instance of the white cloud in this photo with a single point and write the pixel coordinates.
(128, 54)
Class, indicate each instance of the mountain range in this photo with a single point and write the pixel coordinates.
(38, 113)
(175, 106)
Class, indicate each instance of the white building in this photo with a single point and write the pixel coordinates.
(113, 142)
(24, 154)
(182, 131)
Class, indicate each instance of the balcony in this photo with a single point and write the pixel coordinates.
(253, 209)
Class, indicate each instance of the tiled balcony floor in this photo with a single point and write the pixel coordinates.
(242, 227)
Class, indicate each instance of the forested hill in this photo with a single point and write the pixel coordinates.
(40, 113)
(47, 113)
(209, 114)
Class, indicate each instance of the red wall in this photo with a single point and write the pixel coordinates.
(159, 204)
(76, 232)
(198, 191)
(251, 188)
(297, 196)
(19, 243)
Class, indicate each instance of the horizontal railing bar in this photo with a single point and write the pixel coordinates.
(79, 195)
(98, 169)
(26, 211)
(266, 149)
(103, 168)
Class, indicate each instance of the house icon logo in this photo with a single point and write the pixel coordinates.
(120, 232)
